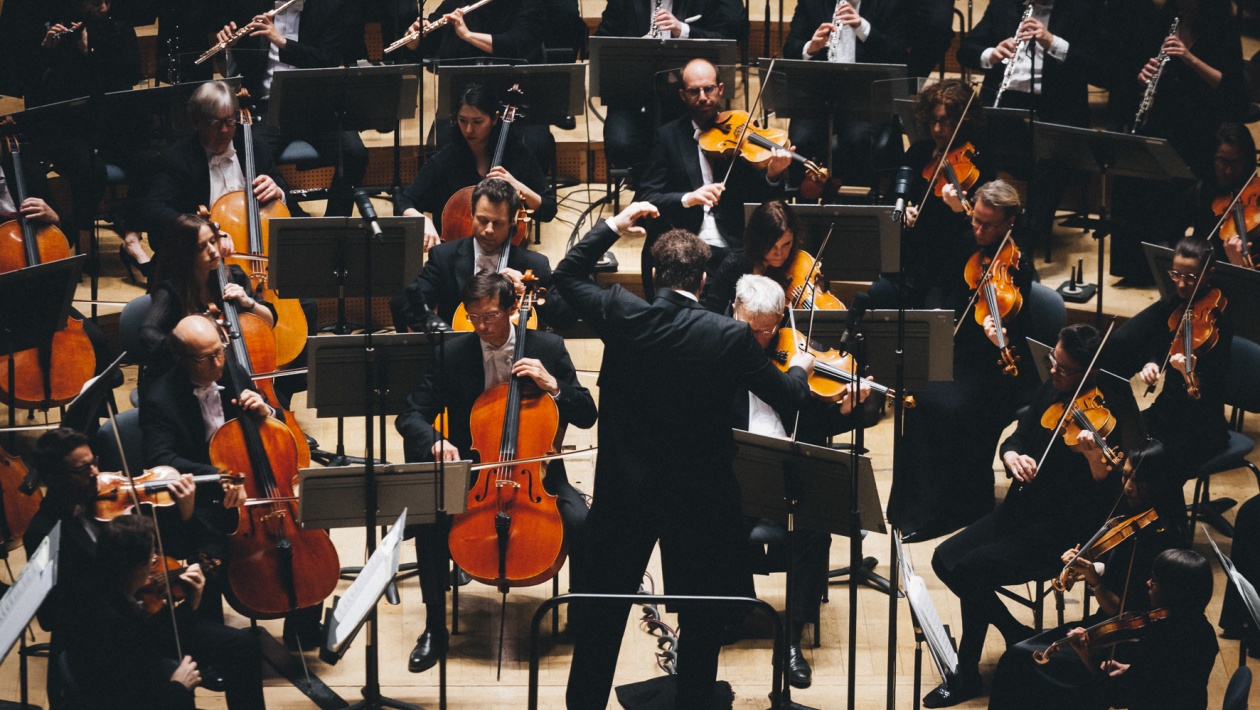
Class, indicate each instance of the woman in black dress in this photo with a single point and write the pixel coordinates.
(770, 245)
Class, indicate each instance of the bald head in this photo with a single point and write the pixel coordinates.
(198, 347)
(701, 92)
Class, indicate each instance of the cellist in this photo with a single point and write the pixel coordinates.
(471, 364)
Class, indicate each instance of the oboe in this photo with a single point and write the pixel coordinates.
(241, 34)
(1148, 98)
(413, 36)
(655, 32)
(1020, 48)
(842, 37)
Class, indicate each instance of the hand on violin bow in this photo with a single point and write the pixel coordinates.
(227, 247)
(1033, 29)
(185, 493)
(187, 674)
(37, 210)
(266, 190)
(1003, 51)
(666, 22)
(1022, 467)
(951, 198)
(624, 223)
(444, 451)
(705, 195)
(1149, 373)
(534, 370)
(196, 581)
(233, 495)
(991, 331)
(818, 42)
(846, 395)
(910, 216)
(235, 292)
(254, 403)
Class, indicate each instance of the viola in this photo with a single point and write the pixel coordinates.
(153, 486)
(1087, 413)
(992, 279)
(833, 370)
(1195, 333)
(723, 139)
(1124, 628)
(18, 508)
(248, 223)
(1240, 215)
(457, 212)
(165, 586)
(957, 168)
(803, 290)
(1110, 535)
(53, 373)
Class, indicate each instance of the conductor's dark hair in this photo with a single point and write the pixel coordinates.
(52, 448)
(124, 544)
(1185, 580)
(680, 258)
(498, 191)
(496, 286)
(1080, 342)
(1194, 248)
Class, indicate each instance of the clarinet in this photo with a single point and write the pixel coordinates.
(842, 35)
(655, 32)
(1020, 48)
(1148, 98)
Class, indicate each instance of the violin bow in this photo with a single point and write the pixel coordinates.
(743, 133)
(1067, 410)
(1237, 196)
(1189, 312)
(988, 273)
(940, 164)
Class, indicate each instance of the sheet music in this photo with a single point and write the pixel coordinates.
(20, 603)
(1246, 589)
(925, 611)
(368, 587)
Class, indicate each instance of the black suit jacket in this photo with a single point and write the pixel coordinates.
(633, 18)
(887, 43)
(674, 170)
(461, 380)
(449, 267)
(1064, 85)
(669, 377)
(515, 28)
(321, 31)
(182, 183)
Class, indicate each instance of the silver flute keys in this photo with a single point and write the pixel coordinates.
(240, 35)
(1148, 98)
(413, 36)
(1020, 48)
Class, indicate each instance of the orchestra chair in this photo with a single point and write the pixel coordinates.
(1238, 690)
(132, 441)
(1243, 395)
(768, 553)
(1049, 313)
(129, 323)
(302, 156)
(1036, 599)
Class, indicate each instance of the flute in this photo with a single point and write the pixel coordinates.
(240, 35)
(413, 36)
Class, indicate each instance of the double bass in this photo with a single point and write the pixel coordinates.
(51, 374)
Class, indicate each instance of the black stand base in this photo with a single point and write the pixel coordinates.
(10, 705)
(865, 575)
(279, 658)
(1212, 513)
(1076, 293)
(380, 701)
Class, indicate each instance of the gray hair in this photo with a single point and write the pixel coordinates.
(209, 100)
(999, 194)
(759, 295)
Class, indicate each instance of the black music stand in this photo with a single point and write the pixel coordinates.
(1246, 591)
(823, 489)
(927, 627)
(1105, 153)
(864, 243)
(553, 92)
(19, 604)
(82, 414)
(1242, 286)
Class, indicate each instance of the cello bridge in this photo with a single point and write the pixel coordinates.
(272, 514)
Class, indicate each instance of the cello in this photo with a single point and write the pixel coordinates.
(239, 215)
(51, 374)
(18, 508)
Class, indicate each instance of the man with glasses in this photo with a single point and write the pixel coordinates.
(688, 187)
(470, 365)
(196, 171)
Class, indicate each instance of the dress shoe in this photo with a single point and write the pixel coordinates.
(430, 647)
(956, 689)
(800, 675)
(212, 679)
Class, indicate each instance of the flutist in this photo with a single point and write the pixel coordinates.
(507, 29)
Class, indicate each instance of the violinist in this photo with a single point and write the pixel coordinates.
(769, 247)
(189, 267)
(1052, 504)
(950, 436)
(474, 363)
(759, 302)
(1193, 430)
(465, 160)
(702, 206)
(69, 468)
(1149, 483)
(1232, 166)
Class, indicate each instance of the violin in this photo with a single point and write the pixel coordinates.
(723, 139)
(833, 370)
(957, 168)
(1112, 533)
(803, 290)
(239, 215)
(53, 373)
(18, 508)
(1124, 628)
(1195, 333)
(457, 213)
(1240, 215)
(1088, 413)
(113, 490)
(991, 277)
(165, 586)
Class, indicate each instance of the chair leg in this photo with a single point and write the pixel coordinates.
(1059, 604)
(555, 610)
(1039, 609)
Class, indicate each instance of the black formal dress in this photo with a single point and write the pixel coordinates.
(454, 385)
(668, 379)
(441, 284)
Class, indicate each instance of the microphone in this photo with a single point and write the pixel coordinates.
(368, 212)
(856, 311)
(900, 189)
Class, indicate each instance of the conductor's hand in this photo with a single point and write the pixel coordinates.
(1022, 467)
(624, 223)
(444, 451)
(707, 195)
(805, 361)
(1003, 51)
(534, 370)
(1149, 373)
(266, 189)
(187, 674)
(252, 402)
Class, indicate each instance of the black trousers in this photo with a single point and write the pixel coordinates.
(329, 143)
(628, 136)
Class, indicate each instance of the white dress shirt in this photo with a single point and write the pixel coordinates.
(6, 199)
(484, 263)
(498, 361)
(226, 174)
(848, 50)
(211, 404)
(763, 420)
(1022, 78)
(708, 226)
(287, 23)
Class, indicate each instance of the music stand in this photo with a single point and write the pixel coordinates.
(1246, 590)
(20, 603)
(1106, 153)
(864, 243)
(82, 412)
(927, 626)
(348, 613)
(552, 92)
(1241, 286)
(929, 342)
(785, 481)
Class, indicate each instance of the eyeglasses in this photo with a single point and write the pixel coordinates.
(491, 317)
(696, 91)
(1178, 276)
(946, 121)
(214, 356)
(220, 123)
(1054, 365)
(85, 469)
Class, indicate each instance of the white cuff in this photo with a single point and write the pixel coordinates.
(1058, 49)
(985, 58)
(863, 30)
(685, 32)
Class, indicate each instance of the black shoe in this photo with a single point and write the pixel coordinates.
(800, 675)
(212, 680)
(430, 647)
(129, 262)
(956, 689)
